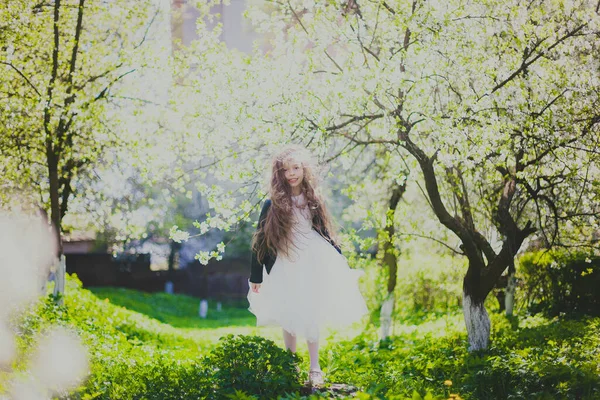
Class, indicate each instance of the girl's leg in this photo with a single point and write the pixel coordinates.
(313, 352)
(289, 340)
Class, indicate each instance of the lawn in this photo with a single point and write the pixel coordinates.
(155, 346)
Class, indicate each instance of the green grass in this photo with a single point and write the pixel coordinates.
(152, 346)
(179, 311)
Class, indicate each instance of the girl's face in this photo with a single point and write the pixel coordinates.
(293, 172)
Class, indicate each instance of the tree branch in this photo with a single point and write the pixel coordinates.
(366, 142)
(450, 222)
(506, 223)
(53, 75)
(62, 129)
(96, 77)
(74, 52)
(564, 143)
(352, 120)
(148, 28)
(434, 239)
(23, 76)
(484, 245)
(104, 91)
(390, 9)
(525, 64)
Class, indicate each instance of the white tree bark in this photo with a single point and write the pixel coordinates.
(509, 300)
(59, 280)
(478, 323)
(387, 309)
(203, 308)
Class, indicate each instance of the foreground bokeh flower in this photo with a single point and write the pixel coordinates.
(59, 362)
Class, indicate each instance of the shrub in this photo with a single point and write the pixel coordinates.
(560, 282)
(539, 359)
(252, 364)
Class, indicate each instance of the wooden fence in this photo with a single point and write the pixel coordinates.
(226, 279)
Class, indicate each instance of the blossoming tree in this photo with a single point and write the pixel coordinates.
(495, 101)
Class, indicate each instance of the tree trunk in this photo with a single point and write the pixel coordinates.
(387, 309)
(509, 299)
(477, 321)
(173, 264)
(390, 260)
(55, 216)
(59, 280)
(476, 317)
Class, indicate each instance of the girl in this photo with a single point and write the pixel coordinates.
(308, 284)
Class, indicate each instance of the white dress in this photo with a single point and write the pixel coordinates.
(311, 289)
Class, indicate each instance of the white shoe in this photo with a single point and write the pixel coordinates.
(316, 378)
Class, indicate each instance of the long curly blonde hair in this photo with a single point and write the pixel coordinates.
(275, 235)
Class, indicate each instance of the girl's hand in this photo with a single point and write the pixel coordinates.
(255, 287)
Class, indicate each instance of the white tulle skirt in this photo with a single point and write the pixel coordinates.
(310, 291)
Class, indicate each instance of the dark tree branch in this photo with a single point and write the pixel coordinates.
(54, 73)
(333, 61)
(450, 222)
(352, 120)
(353, 139)
(63, 128)
(536, 195)
(465, 207)
(103, 92)
(94, 78)
(370, 52)
(550, 104)
(506, 224)
(554, 210)
(23, 76)
(342, 152)
(148, 28)
(525, 64)
(585, 181)
(73, 62)
(564, 143)
(390, 9)
(352, 7)
(484, 245)
(462, 196)
(505, 258)
(435, 240)
(66, 192)
(297, 17)
(407, 34)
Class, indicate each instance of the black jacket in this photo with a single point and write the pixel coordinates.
(256, 270)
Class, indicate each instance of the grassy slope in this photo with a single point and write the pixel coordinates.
(133, 335)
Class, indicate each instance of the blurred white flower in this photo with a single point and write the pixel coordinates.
(7, 346)
(27, 250)
(60, 362)
(26, 390)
